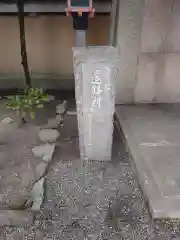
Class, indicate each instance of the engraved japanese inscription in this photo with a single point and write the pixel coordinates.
(95, 76)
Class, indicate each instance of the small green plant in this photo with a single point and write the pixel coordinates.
(27, 103)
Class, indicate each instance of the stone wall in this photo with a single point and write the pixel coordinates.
(149, 43)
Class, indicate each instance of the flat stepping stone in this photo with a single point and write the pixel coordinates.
(41, 169)
(53, 123)
(16, 217)
(7, 127)
(44, 151)
(48, 135)
(7, 120)
(61, 108)
(37, 195)
(18, 169)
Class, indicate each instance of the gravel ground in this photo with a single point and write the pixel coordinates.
(92, 201)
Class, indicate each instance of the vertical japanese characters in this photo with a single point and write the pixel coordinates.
(96, 90)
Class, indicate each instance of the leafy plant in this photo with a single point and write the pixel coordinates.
(26, 104)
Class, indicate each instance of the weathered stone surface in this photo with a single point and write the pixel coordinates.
(16, 218)
(95, 72)
(146, 89)
(173, 36)
(169, 84)
(53, 123)
(17, 166)
(153, 138)
(155, 25)
(48, 135)
(7, 120)
(37, 195)
(44, 151)
(128, 39)
(61, 108)
(4, 127)
(41, 169)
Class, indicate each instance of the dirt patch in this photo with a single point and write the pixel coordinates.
(17, 165)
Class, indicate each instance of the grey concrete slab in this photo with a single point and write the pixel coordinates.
(153, 138)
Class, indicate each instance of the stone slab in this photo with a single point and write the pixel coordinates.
(95, 70)
(157, 78)
(170, 83)
(153, 137)
(128, 42)
(173, 36)
(155, 25)
(145, 89)
(98, 112)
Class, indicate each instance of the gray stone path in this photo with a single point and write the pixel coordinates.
(25, 155)
(103, 203)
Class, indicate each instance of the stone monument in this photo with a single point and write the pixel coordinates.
(95, 71)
